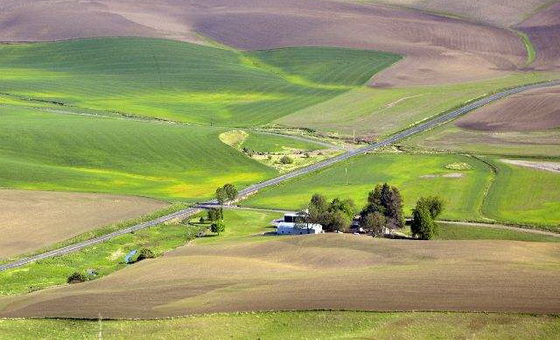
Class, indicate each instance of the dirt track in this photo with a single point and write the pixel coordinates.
(316, 272)
(51, 217)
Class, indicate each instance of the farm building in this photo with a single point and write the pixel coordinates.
(290, 228)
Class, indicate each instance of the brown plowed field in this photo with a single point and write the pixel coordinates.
(316, 272)
(439, 49)
(503, 13)
(544, 31)
(31, 220)
(530, 111)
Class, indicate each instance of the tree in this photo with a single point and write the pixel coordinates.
(221, 195)
(346, 206)
(434, 204)
(302, 220)
(337, 221)
(218, 227)
(145, 253)
(76, 277)
(215, 214)
(423, 225)
(231, 191)
(286, 160)
(374, 223)
(387, 201)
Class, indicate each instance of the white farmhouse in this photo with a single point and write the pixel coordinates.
(291, 228)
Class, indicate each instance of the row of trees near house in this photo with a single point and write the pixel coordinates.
(383, 211)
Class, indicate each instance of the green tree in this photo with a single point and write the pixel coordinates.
(76, 277)
(218, 227)
(221, 195)
(215, 214)
(423, 225)
(346, 206)
(145, 253)
(434, 204)
(337, 221)
(286, 160)
(231, 192)
(374, 223)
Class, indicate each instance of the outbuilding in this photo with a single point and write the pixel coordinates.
(290, 228)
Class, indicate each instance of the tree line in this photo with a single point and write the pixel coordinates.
(382, 212)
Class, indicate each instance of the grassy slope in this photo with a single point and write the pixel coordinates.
(382, 111)
(61, 152)
(273, 143)
(524, 195)
(183, 82)
(355, 178)
(297, 325)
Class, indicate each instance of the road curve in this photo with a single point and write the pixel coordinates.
(429, 124)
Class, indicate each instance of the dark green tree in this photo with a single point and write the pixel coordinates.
(317, 208)
(221, 195)
(374, 223)
(434, 204)
(76, 277)
(231, 192)
(337, 221)
(215, 214)
(423, 225)
(218, 227)
(346, 206)
(145, 253)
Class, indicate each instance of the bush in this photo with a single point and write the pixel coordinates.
(145, 253)
(286, 160)
(218, 227)
(77, 277)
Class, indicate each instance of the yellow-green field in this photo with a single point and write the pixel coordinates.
(296, 325)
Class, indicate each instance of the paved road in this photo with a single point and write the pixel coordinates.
(312, 168)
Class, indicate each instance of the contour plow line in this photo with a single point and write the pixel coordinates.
(416, 129)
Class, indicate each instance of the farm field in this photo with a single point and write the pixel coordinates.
(183, 82)
(448, 231)
(526, 195)
(46, 151)
(52, 217)
(108, 257)
(297, 325)
(415, 174)
(518, 195)
(451, 52)
(375, 112)
(348, 271)
(521, 125)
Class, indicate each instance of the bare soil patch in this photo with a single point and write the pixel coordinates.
(530, 111)
(548, 166)
(316, 272)
(438, 49)
(544, 31)
(30, 220)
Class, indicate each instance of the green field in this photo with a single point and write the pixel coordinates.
(296, 325)
(524, 195)
(381, 111)
(181, 81)
(416, 175)
(45, 151)
(274, 143)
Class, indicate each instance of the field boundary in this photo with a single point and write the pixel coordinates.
(419, 128)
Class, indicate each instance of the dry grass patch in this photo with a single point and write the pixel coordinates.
(317, 272)
(30, 220)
